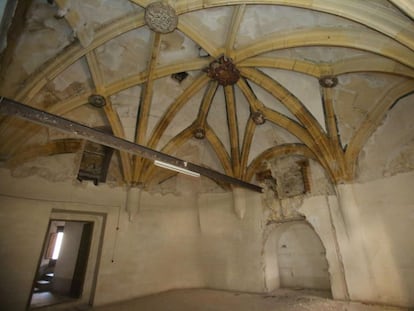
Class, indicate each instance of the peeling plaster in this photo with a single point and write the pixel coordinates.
(285, 170)
(124, 55)
(355, 96)
(31, 50)
(213, 22)
(390, 149)
(318, 55)
(98, 12)
(53, 168)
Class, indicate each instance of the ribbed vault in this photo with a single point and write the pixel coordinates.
(279, 48)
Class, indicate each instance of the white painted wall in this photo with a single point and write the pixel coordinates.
(199, 241)
(21, 240)
(319, 214)
(231, 247)
(387, 213)
(370, 228)
(172, 242)
(155, 252)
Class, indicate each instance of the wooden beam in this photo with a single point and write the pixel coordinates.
(11, 107)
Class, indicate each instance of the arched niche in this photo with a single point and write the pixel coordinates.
(295, 257)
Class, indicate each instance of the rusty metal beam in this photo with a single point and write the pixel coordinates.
(14, 108)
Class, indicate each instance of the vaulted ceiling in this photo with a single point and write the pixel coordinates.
(224, 84)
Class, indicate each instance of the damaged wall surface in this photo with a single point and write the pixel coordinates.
(203, 243)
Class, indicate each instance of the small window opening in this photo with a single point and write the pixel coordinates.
(58, 245)
(55, 244)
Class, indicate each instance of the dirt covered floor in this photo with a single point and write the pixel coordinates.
(213, 300)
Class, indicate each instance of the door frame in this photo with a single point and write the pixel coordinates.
(91, 275)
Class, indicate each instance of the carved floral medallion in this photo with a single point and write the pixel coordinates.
(223, 71)
(161, 17)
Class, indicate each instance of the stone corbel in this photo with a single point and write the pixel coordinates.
(239, 202)
(133, 201)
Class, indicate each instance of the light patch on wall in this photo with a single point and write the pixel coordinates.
(391, 146)
(124, 55)
(32, 50)
(99, 12)
(55, 168)
(212, 22)
(58, 245)
(78, 72)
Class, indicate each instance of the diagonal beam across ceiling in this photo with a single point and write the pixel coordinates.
(14, 108)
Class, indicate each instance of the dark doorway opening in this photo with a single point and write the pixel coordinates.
(62, 266)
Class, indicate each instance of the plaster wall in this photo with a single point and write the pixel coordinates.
(156, 251)
(387, 211)
(65, 265)
(170, 241)
(390, 149)
(301, 258)
(231, 245)
(200, 241)
(318, 214)
(366, 231)
(21, 239)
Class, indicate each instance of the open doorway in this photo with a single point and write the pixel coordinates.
(62, 267)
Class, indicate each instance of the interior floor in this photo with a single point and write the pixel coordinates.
(214, 300)
(47, 299)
